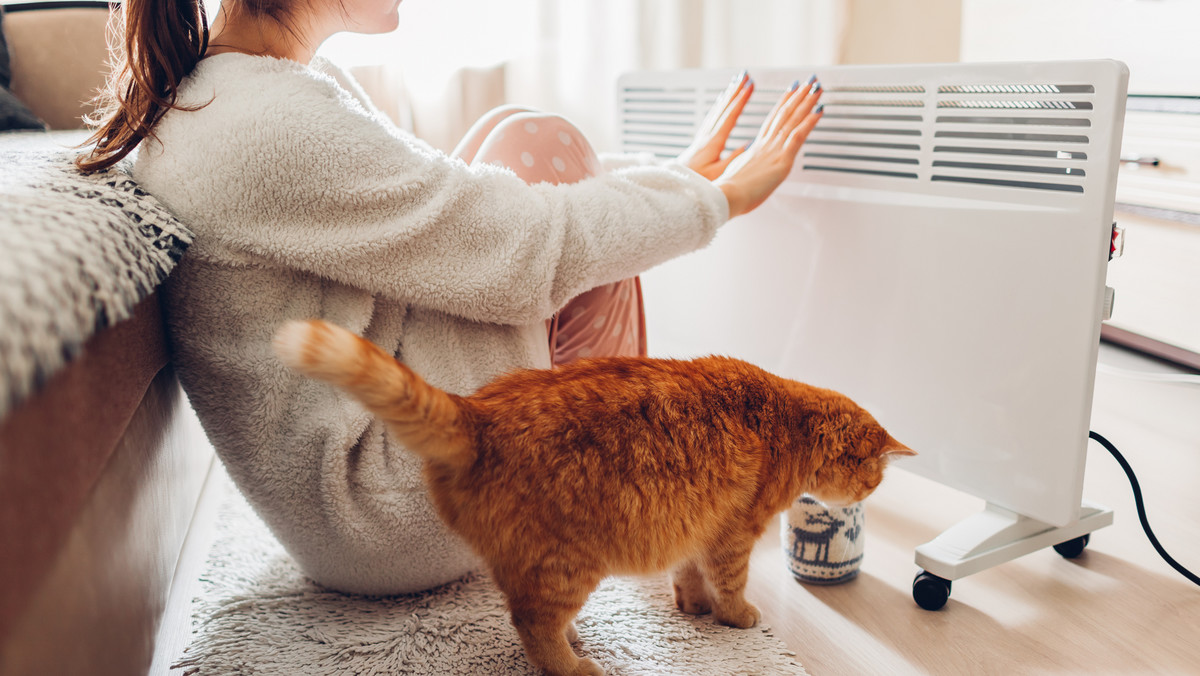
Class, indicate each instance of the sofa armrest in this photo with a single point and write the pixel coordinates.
(99, 477)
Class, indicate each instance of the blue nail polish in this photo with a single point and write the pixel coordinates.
(816, 87)
(811, 79)
(819, 109)
(795, 86)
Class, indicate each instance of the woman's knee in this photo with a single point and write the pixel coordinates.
(495, 117)
(540, 147)
(468, 147)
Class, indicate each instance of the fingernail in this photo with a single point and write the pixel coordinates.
(816, 87)
(819, 109)
(811, 79)
(795, 86)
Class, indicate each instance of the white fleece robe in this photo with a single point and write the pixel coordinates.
(307, 202)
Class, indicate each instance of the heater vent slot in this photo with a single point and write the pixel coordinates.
(1016, 89)
(861, 144)
(1009, 136)
(1010, 184)
(1033, 121)
(1015, 105)
(860, 170)
(870, 130)
(1060, 171)
(1021, 152)
(878, 89)
(868, 158)
(881, 118)
(874, 103)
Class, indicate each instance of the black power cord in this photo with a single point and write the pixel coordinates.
(1141, 508)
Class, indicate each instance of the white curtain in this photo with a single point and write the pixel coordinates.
(585, 45)
(565, 55)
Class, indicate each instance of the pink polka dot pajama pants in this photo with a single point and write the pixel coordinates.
(608, 320)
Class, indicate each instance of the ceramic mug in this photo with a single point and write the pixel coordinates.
(823, 545)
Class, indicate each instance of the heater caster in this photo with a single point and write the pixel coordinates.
(1072, 548)
(930, 591)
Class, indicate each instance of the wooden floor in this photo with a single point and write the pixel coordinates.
(1117, 609)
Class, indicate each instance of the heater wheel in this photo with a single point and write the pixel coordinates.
(930, 591)
(1072, 548)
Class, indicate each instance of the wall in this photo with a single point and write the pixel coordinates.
(914, 31)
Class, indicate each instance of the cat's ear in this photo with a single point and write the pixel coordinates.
(891, 447)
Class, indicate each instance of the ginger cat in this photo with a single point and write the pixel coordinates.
(625, 465)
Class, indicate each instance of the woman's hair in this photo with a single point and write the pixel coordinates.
(160, 43)
(156, 44)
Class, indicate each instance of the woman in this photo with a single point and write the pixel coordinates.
(306, 202)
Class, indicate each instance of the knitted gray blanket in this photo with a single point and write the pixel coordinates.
(77, 253)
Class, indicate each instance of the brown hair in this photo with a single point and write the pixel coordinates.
(161, 42)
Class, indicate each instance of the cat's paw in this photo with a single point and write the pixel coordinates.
(571, 632)
(742, 617)
(693, 606)
(692, 601)
(588, 668)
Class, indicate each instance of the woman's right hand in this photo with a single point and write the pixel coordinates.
(752, 176)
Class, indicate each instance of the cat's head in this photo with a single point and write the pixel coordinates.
(852, 450)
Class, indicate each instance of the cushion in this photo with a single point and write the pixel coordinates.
(13, 113)
(5, 57)
(16, 115)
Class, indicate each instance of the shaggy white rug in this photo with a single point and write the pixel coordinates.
(257, 614)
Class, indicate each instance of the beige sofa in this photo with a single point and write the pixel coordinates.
(101, 470)
(58, 55)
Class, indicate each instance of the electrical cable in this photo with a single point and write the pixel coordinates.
(1141, 508)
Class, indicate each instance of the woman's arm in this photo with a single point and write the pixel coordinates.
(334, 193)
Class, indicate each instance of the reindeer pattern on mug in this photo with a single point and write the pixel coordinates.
(823, 542)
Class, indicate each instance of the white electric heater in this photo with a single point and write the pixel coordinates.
(938, 254)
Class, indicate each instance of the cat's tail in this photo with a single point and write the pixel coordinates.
(426, 420)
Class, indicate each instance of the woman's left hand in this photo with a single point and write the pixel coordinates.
(704, 154)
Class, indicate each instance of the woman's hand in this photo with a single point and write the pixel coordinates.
(704, 155)
(752, 176)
